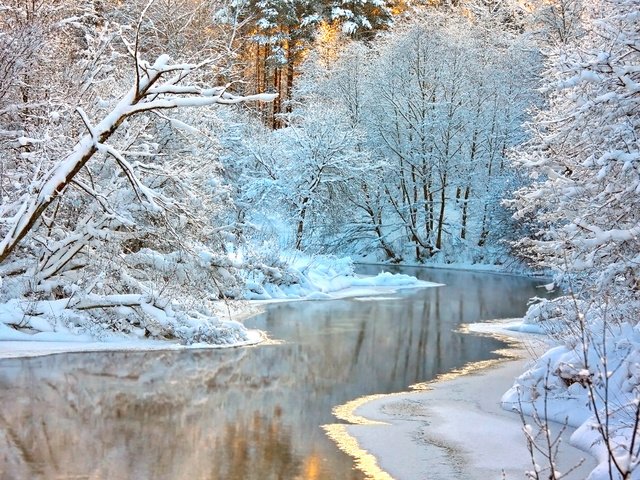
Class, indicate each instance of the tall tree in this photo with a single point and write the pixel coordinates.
(108, 194)
(361, 18)
(282, 32)
(444, 109)
(584, 156)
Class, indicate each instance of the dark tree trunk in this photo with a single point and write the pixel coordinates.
(443, 199)
(465, 205)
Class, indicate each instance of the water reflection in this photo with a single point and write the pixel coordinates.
(252, 413)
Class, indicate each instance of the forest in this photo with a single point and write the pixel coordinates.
(161, 158)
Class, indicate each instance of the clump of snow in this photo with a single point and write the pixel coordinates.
(549, 317)
(324, 278)
(131, 316)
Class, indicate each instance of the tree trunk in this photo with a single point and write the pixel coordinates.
(431, 222)
(465, 204)
(443, 199)
(427, 209)
(275, 123)
(391, 255)
(484, 232)
(291, 70)
(300, 226)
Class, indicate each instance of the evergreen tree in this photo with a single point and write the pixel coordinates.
(361, 18)
(281, 33)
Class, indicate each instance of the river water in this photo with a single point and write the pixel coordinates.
(247, 413)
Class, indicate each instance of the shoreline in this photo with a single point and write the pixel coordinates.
(463, 267)
(244, 309)
(453, 427)
(14, 349)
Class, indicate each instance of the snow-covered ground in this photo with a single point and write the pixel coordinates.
(327, 278)
(22, 348)
(588, 380)
(453, 428)
(318, 279)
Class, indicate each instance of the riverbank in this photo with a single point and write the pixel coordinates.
(455, 427)
(15, 344)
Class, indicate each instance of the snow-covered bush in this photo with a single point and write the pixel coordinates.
(583, 156)
(591, 382)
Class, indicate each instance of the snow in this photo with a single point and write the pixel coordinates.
(48, 335)
(60, 343)
(583, 383)
(30, 328)
(452, 428)
(326, 278)
(342, 286)
(379, 298)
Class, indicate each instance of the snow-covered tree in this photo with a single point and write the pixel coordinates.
(584, 153)
(432, 112)
(583, 159)
(110, 201)
(442, 108)
(558, 22)
(304, 172)
(361, 17)
(281, 35)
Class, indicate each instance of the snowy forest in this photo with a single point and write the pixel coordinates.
(161, 160)
(161, 156)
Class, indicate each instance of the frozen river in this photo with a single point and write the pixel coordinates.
(246, 413)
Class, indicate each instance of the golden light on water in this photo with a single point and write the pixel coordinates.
(365, 461)
(511, 352)
(312, 468)
(347, 411)
(513, 343)
(458, 372)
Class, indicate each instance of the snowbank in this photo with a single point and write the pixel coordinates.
(504, 265)
(29, 327)
(590, 382)
(65, 320)
(76, 344)
(56, 337)
(326, 278)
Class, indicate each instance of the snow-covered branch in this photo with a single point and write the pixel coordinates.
(142, 97)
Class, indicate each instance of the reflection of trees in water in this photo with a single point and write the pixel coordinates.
(244, 413)
(261, 448)
(174, 416)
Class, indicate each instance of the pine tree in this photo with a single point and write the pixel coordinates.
(281, 33)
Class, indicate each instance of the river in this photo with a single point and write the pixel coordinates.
(246, 413)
